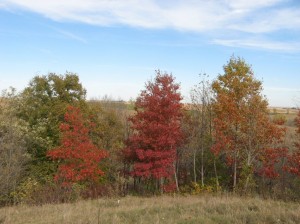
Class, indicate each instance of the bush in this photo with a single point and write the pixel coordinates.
(54, 193)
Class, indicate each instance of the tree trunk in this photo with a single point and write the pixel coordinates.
(248, 173)
(161, 185)
(203, 126)
(175, 176)
(202, 165)
(235, 159)
(234, 172)
(216, 174)
(194, 163)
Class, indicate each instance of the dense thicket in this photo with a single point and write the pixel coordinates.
(53, 142)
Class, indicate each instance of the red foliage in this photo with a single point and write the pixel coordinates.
(243, 132)
(271, 157)
(294, 158)
(279, 121)
(297, 122)
(169, 188)
(157, 133)
(79, 158)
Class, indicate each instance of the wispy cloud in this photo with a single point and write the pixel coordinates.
(178, 14)
(220, 19)
(269, 21)
(280, 89)
(260, 44)
(71, 36)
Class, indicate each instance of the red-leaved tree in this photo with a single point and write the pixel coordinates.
(151, 149)
(243, 131)
(78, 157)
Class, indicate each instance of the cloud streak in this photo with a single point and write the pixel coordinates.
(71, 36)
(290, 47)
(279, 89)
(215, 17)
(178, 14)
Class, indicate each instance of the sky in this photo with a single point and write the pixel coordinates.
(115, 46)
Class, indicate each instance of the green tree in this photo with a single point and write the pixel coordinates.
(109, 117)
(43, 105)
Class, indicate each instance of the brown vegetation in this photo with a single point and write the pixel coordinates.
(165, 209)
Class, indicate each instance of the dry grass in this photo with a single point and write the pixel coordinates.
(178, 209)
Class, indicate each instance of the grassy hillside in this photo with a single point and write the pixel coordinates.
(179, 209)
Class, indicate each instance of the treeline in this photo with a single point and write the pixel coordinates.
(56, 146)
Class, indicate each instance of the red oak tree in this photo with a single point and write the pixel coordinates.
(78, 157)
(151, 149)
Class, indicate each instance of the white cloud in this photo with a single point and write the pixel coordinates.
(189, 15)
(260, 44)
(220, 19)
(280, 89)
(250, 5)
(272, 20)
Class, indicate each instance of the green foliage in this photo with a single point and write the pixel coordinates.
(43, 105)
(108, 133)
(196, 188)
(30, 191)
(246, 183)
(107, 116)
(24, 190)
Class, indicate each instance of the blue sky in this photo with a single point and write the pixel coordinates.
(115, 46)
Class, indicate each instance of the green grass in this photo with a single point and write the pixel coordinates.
(164, 209)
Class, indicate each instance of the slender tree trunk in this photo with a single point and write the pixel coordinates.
(234, 172)
(175, 177)
(216, 175)
(246, 184)
(161, 185)
(202, 164)
(283, 178)
(194, 163)
(235, 158)
(203, 127)
(248, 172)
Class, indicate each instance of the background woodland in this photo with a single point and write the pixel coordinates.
(57, 146)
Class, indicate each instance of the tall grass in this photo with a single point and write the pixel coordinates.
(164, 209)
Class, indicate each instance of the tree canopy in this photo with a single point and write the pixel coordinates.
(242, 128)
(157, 134)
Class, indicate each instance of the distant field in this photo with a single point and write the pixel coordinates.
(282, 110)
(164, 209)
